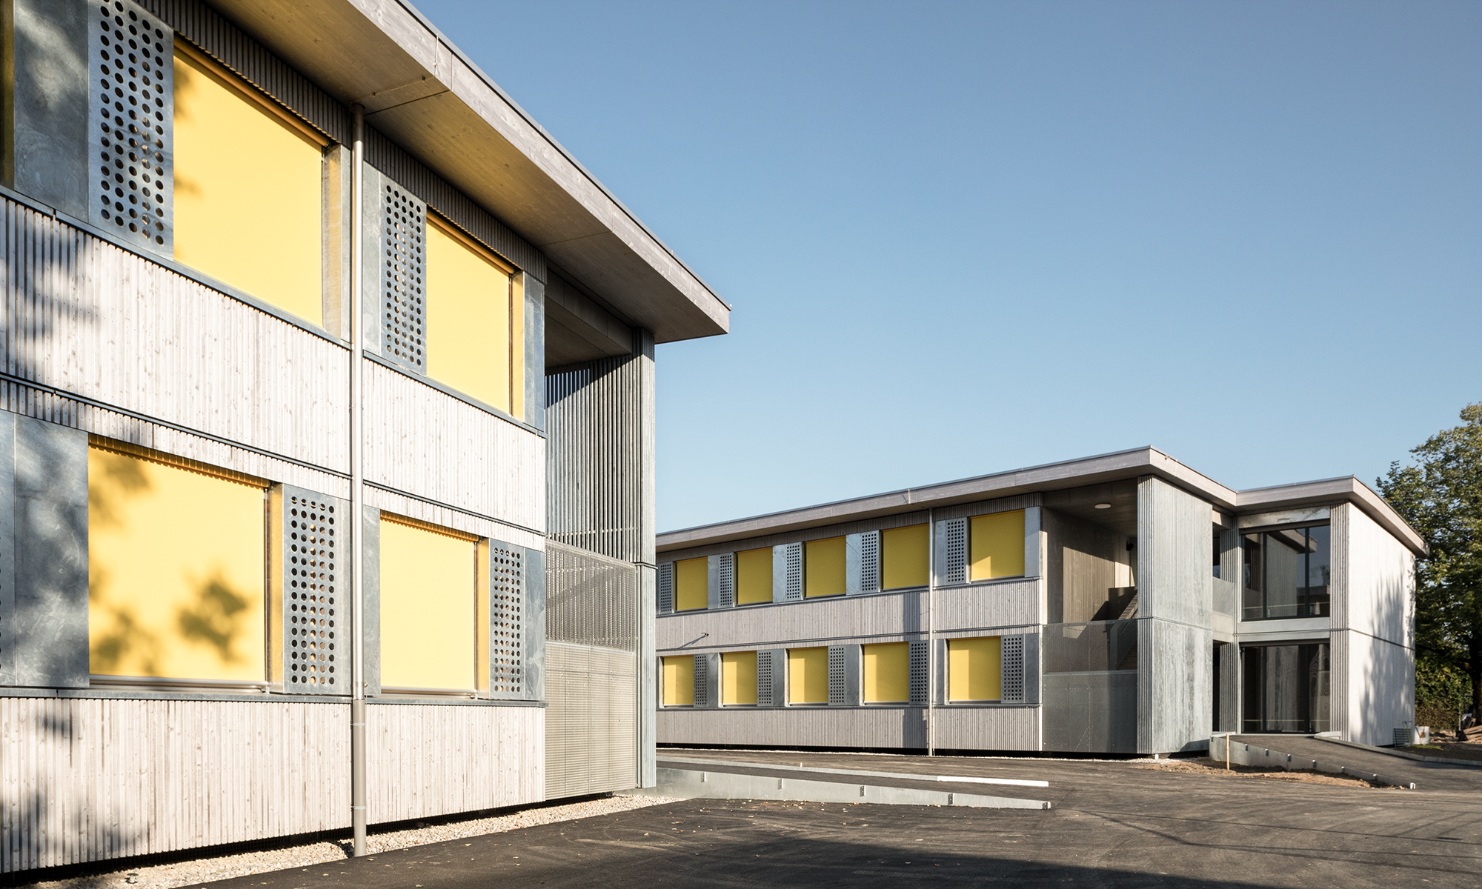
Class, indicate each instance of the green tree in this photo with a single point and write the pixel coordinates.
(1440, 494)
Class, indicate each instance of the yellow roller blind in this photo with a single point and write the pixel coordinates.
(691, 584)
(679, 681)
(807, 675)
(175, 572)
(428, 606)
(903, 557)
(823, 567)
(996, 546)
(738, 677)
(471, 318)
(887, 673)
(754, 576)
(975, 669)
(249, 185)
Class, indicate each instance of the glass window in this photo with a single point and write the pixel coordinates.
(248, 194)
(807, 675)
(475, 320)
(996, 546)
(754, 576)
(1286, 573)
(176, 567)
(738, 678)
(692, 584)
(975, 669)
(887, 673)
(1285, 688)
(903, 557)
(679, 681)
(823, 568)
(429, 607)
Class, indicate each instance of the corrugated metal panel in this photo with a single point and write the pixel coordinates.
(422, 442)
(595, 463)
(90, 779)
(84, 317)
(429, 760)
(591, 720)
(236, 51)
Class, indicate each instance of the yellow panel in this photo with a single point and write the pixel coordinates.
(691, 584)
(175, 572)
(469, 324)
(975, 669)
(428, 608)
(903, 557)
(248, 191)
(887, 673)
(679, 681)
(807, 675)
(754, 576)
(997, 545)
(823, 567)
(738, 677)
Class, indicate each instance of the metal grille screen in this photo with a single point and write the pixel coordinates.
(794, 591)
(311, 542)
(403, 277)
(764, 679)
(1013, 669)
(131, 116)
(702, 681)
(869, 562)
(666, 588)
(956, 567)
(590, 600)
(920, 663)
(726, 580)
(506, 620)
(838, 690)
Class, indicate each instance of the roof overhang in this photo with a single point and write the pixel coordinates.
(1119, 466)
(422, 92)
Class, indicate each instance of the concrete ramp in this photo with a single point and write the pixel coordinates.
(714, 779)
(1300, 753)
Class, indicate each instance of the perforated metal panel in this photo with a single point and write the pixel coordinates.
(1013, 669)
(403, 277)
(920, 678)
(702, 681)
(956, 554)
(313, 592)
(725, 580)
(869, 562)
(130, 120)
(838, 675)
(590, 600)
(506, 620)
(666, 588)
(793, 591)
(764, 679)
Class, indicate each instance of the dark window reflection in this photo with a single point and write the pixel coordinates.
(1286, 688)
(1286, 572)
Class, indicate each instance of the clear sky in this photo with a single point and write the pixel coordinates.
(966, 237)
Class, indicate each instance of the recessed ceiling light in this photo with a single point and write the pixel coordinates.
(1103, 506)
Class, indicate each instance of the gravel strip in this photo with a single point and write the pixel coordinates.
(205, 870)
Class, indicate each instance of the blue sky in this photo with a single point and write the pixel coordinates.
(961, 238)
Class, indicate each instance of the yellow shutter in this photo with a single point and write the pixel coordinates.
(807, 675)
(904, 557)
(691, 584)
(754, 576)
(429, 589)
(679, 681)
(738, 677)
(975, 669)
(887, 673)
(823, 568)
(471, 319)
(176, 567)
(249, 185)
(996, 547)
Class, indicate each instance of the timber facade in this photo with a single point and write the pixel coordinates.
(325, 375)
(1121, 604)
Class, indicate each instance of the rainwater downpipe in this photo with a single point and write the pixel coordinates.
(357, 491)
(931, 643)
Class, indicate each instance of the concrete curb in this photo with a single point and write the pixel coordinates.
(696, 784)
(1405, 754)
(1246, 754)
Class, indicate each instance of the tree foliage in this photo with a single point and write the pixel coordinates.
(1440, 495)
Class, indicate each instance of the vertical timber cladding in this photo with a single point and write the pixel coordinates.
(592, 673)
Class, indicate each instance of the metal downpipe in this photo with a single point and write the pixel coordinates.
(357, 491)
